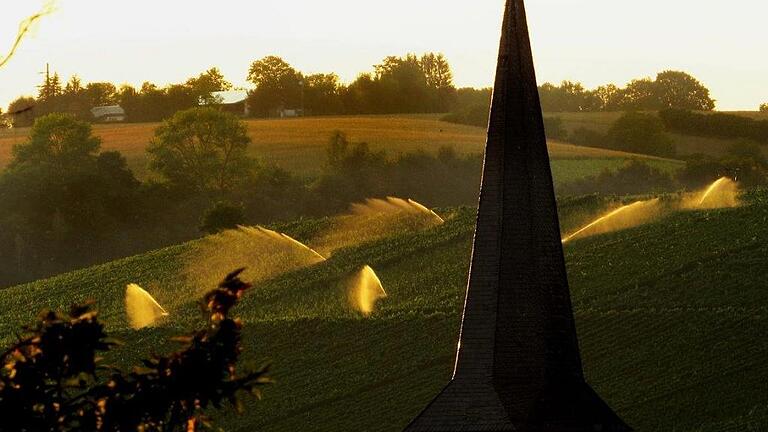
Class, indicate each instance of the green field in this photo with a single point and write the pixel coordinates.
(672, 319)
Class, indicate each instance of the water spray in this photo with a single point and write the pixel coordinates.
(365, 290)
(392, 205)
(375, 219)
(632, 214)
(722, 193)
(264, 253)
(283, 237)
(141, 308)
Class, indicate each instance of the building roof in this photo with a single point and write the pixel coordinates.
(108, 110)
(227, 97)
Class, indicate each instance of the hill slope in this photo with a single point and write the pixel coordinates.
(685, 144)
(298, 144)
(671, 318)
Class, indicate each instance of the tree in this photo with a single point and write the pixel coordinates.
(401, 86)
(74, 85)
(57, 140)
(222, 216)
(439, 78)
(203, 149)
(437, 71)
(208, 82)
(21, 111)
(50, 88)
(100, 94)
(640, 94)
(608, 97)
(322, 94)
(567, 97)
(52, 379)
(62, 197)
(277, 85)
(4, 121)
(764, 107)
(640, 133)
(676, 89)
(352, 172)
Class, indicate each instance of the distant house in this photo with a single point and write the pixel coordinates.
(108, 114)
(290, 113)
(233, 101)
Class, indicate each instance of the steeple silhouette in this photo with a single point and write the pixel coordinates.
(518, 366)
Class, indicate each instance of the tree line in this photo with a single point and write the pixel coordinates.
(717, 125)
(408, 84)
(670, 89)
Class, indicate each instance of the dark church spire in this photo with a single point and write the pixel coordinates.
(518, 365)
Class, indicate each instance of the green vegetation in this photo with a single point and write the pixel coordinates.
(671, 319)
(640, 133)
(70, 214)
(53, 378)
(202, 149)
(718, 125)
(670, 89)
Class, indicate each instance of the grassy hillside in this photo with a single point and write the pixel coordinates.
(672, 320)
(299, 144)
(686, 144)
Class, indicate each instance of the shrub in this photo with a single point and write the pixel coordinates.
(555, 129)
(744, 162)
(52, 380)
(718, 125)
(642, 133)
(635, 177)
(588, 138)
(474, 115)
(222, 216)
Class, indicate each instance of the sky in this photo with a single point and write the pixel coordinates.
(722, 43)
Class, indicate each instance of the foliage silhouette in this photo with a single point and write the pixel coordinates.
(52, 379)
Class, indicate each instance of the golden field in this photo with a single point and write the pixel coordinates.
(299, 144)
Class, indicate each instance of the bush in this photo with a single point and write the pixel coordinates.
(588, 138)
(718, 125)
(222, 216)
(475, 115)
(764, 107)
(744, 162)
(641, 133)
(555, 129)
(52, 379)
(635, 177)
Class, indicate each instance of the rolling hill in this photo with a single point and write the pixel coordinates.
(299, 144)
(671, 316)
(685, 144)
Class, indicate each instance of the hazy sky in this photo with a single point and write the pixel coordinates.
(723, 43)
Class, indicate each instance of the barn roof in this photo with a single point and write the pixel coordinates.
(229, 97)
(107, 110)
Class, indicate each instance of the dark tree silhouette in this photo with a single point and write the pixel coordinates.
(52, 379)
